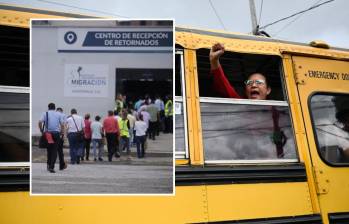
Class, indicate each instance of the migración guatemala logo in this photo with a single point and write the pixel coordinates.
(70, 37)
(78, 78)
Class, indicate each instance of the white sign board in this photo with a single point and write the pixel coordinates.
(178, 108)
(86, 80)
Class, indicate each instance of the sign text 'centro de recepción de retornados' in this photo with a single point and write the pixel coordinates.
(112, 40)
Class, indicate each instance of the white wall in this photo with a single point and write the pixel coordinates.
(47, 80)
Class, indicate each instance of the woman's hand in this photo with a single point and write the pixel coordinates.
(216, 51)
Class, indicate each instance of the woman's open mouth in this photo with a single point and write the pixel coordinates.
(254, 94)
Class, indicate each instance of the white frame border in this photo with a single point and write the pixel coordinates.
(173, 138)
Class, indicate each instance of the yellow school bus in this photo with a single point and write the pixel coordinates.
(280, 160)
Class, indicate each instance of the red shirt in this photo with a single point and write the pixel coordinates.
(87, 131)
(111, 125)
(221, 84)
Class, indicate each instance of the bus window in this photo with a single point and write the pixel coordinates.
(330, 114)
(181, 145)
(14, 56)
(14, 123)
(245, 130)
(237, 67)
(14, 97)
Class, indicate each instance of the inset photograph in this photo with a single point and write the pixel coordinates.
(102, 107)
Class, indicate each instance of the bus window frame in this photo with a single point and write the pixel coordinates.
(284, 102)
(335, 165)
(16, 89)
(235, 101)
(182, 99)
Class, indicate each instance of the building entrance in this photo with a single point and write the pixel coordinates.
(135, 83)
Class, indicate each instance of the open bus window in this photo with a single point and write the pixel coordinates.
(181, 146)
(330, 114)
(14, 56)
(237, 67)
(14, 123)
(244, 130)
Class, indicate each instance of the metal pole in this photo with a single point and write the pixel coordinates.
(253, 17)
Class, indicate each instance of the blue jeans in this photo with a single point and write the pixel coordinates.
(75, 148)
(100, 148)
(130, 131)
(125, 143)
(140, 140)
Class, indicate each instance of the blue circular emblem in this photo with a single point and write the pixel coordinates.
(70, 37)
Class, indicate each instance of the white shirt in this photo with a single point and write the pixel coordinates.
(132, 120)
(146, 117)
(140, 127)
(71, 125)
(96, 128)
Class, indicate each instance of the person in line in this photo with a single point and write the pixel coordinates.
(124, 126)
(132, 121)
(144, 105)
(124, 101)
(135, 115)
(117, 117)
(141, 128)
(146, 117)
(139, 103)
(119, 102)
(168, 115)
(87, 137)
(147, 99)
(52, 124)
(256, 84)
(111, 129)
(62, 163)
(97, 136)
(75, 128)
(154, 118)
(161, 107)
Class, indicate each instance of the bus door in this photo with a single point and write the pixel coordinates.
(323, 87)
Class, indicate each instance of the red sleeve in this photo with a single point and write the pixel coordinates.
(221, 84)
